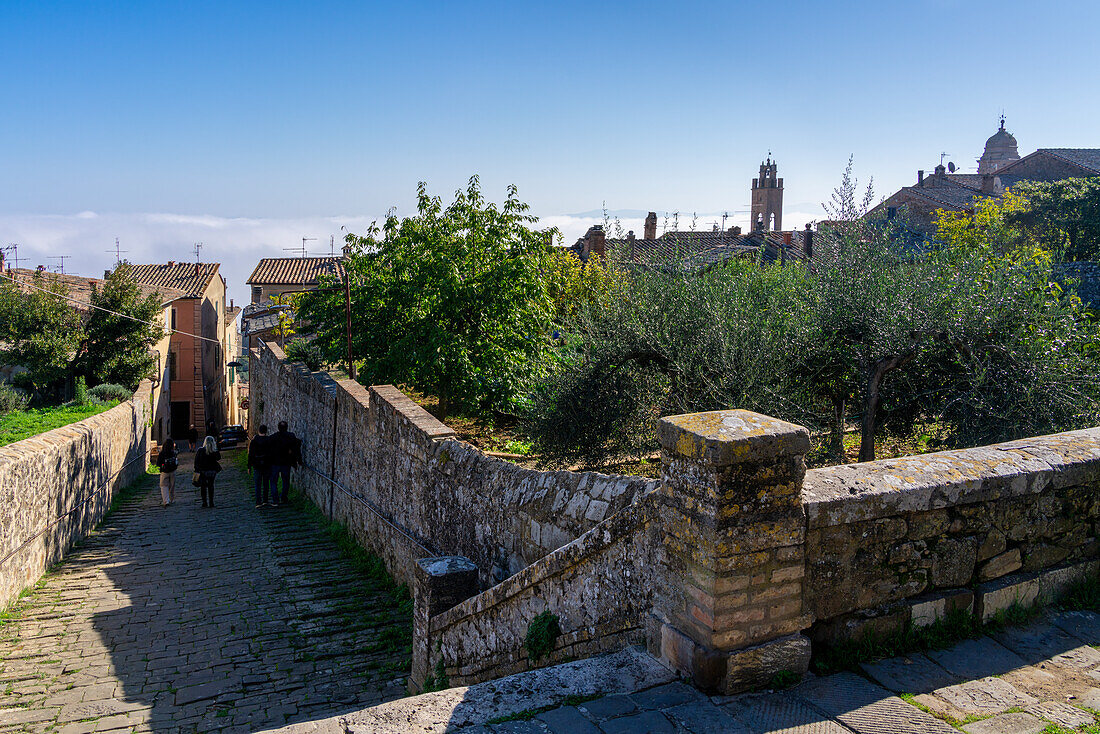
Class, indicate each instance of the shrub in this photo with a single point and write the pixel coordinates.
(305, 351)
(110, 391)
(541, 635)
(80, 392)
(11, 400)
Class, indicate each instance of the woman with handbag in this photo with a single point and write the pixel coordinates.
(207, 467)
(168, 461)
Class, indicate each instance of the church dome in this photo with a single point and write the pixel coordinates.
(1000, 150)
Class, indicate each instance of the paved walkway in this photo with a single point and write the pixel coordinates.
(1040, 678)
(1020, 681)
(191, 619)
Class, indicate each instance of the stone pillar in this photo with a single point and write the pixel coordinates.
(440, 584)
(731, 609)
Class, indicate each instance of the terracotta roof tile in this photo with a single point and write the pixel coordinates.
(294, 270)
(1088, 158)
(80, 288)
(191, 278)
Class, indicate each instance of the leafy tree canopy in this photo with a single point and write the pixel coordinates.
(116, 346)
(1065, 215)
(39, 330)
(451, 301)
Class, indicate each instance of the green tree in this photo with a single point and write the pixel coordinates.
(668, 340)
(1064, 215)
(451, 301)
(39, 330)
(120, 331)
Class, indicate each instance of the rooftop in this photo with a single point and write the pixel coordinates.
(294, 270)
(80, 288)
(190, 278)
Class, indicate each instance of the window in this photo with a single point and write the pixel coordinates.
(257, 293)
(173, 327)
(172, 362)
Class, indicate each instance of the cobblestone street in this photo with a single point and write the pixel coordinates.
(1025, 680)
(190, 619)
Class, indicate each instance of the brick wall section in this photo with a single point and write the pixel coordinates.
(437, 495)
(55, 487)
(886, 535)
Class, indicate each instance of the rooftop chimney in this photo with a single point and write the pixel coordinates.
(987, 183)
(787, 238)
(171, 263)
(735, 231)
(650, 231)
(598, 241)
(808, 242)
(920, 179)
(941, 172)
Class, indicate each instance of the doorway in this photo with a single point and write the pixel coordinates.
(181, 418)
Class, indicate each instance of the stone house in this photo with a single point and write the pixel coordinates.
(999, 167)
(277, 276)
(201, 386)
(694, 250)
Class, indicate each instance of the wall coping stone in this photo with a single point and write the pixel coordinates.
(413, 412)
(725, 437)
(613, 529)
(858, 492)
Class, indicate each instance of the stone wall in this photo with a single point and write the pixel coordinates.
(408, 489)
(726, 568)
(56, 486)
(599, 587)
(889, 537)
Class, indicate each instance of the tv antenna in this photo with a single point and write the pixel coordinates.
(332, 245)
(302, 249)
(12, 248)
(198, 250)
(118, 252)
(61, 261)
(725, 216)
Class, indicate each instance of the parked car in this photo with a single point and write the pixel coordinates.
(231, 436)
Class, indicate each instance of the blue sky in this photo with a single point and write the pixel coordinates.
(314, 112)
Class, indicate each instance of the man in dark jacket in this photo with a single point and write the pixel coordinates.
(285, 451)
(259, 462)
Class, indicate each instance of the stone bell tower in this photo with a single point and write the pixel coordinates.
(767, 198)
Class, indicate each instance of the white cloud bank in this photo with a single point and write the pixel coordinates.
(88, 238)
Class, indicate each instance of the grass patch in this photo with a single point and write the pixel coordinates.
(1083, 596)
(1058, 729)
(910, 699)
(957, 626)
(571, 700)
(21, 424)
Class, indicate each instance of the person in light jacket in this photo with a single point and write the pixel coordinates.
(207, 466)
(168, 462)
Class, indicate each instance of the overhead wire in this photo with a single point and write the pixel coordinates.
(77, 301)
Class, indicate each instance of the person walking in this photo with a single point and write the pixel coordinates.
(259, 462)
(285, 451)
(207, 466)
(192, 437)
(168, 462)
